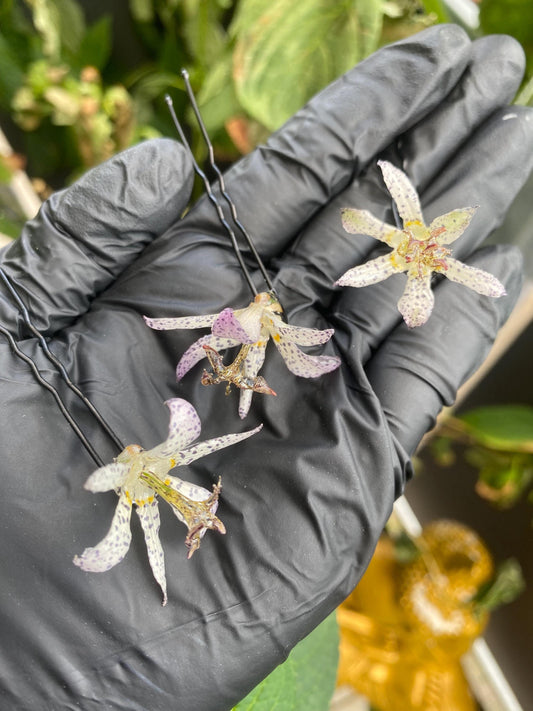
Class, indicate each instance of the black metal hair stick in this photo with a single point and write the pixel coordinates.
(220, 177)
(64, 411)
(55, 360)
(212, 197)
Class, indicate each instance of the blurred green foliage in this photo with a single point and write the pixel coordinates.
(80, 80)
(498, 443)
(252, 64)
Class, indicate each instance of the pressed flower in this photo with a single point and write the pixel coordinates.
(138, 475)
(251, 328)
(418, 249)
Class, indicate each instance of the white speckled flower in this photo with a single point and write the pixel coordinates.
(251, 328)
(418, 249)
(138, 474)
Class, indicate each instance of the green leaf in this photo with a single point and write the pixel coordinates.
(501, 427)
(286, 51)
(306, 680)
(216, 97)
(142, 10)
(510, 17)
(507, 584)
(95, 47)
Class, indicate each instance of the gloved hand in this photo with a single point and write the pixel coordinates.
(303, 501)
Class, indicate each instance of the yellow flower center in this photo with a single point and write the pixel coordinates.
(421, 250)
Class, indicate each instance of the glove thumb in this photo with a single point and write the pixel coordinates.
(86, 235)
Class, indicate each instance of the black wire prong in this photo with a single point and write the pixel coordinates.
(63, 408)
(55, 360)
(212, 197)
(220, 177)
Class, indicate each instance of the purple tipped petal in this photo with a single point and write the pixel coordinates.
(212, 445)
(148, 515)
(106, 478)
(364, 223)
(227, 326)
(447, 228)
(196, 352)
(417, 301)
(167, 324)
(480, 281)
(184, 427)
(403, 193)
(306, 366)
(372, 272)
(111, 549)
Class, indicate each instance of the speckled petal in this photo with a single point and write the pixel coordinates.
(251, 367)
(212, 445)
(372, 272)
(169, 324)
(111, 549)
(476, 279)
(106, 478)
(191, 491)
(195, 353)
(362, 222)
(227, 326)
(148, 515)
(403, 193)
(417, 300)
(447, 228)
(300, 335)
(306, 366)
(184, 427)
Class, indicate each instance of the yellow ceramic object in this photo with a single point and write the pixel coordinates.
(406, 626)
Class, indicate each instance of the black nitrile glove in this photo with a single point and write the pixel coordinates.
(303, 501)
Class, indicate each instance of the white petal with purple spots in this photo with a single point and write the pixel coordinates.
(111, 476)
(417, 300)
(306, 366)
(148, 515)
(111, 549)
(364, 223)
(300, 335)
(372, 272)
(184, 427)
(480, 281)
(212, 445)
(251, 367)
(447, 228)
(169, 324)
(402, 191)
(195, 353)
(227, 325)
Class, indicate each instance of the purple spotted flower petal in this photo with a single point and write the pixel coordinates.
(112, 549)
(371, 272)
(476, 279)
(111, 476)
(170, 324)
(449, 227)
(364, 223)
(202, 449)
(403, 193)
(195, 353)
(148, 515)
(306, 366)
(252, 365)
(184, 427)
(227, 325)
(300, 335)
(417, 301)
